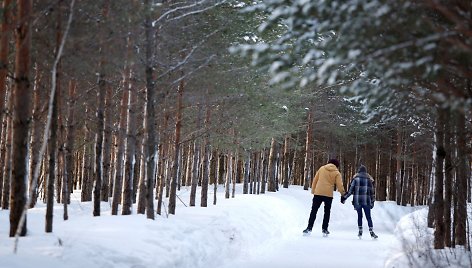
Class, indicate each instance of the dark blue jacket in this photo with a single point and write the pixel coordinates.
(362, 190)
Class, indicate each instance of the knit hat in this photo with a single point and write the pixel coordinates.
(334, 162)
(362, 169)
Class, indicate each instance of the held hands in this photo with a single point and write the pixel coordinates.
(343, 199)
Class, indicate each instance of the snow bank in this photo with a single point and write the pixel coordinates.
(417, 245)
(195, 237)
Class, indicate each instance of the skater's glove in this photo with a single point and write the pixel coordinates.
(343, 199)
(372, 205)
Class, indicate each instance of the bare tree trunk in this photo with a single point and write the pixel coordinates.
(85, 175)
(306, 170)
(8, 127)
(111, 178)
(6, 18)
(21, 107)
(3, 138)
(194, 179)
(69, 146)
(118, 176)
(142, 176)
(178, 126)
(439, 185)
(393, 175)
(102, 87)
(162, 171)
(188, 165)
(52, 166)
(151, 151)
(34, 140)
(246, 173)
(229, 174)
(251, 174)
(265, 168)
(257, 173)
(4, 48)
(399, 166)
(271, 187)
(462, 177)
(286, 163)
(130, 152)
(221, 158)
(206, 161)
(448, 181)
(53, 140)
(236, 172)
(106, 147)
(215, 172)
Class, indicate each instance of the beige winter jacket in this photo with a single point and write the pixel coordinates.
(325, 179)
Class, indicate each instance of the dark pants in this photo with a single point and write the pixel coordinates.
(366, 209)
(317, 200)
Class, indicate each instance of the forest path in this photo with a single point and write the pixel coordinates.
(341, 248)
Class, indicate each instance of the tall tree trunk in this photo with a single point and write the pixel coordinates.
(188, 165)
(21, 108)
(118, 176)
(392, 174)
(34, 140)
(106, 147)
(69, 146)
(206, 161)
(194, 176)
(52, 163)
(130, 152)
(306, 170)
(7, 8)
(398, 172)
(162, 171)
(257, 172)
(448, 181)
(86, 177)
(7, 153)
(236, 172)
(439, 184)
(178, 126)
(222, 172)
(102, 87)
(247, 165)
(286, 163)
(4, 48)
(462, 177)
(53, 139)
(142, 182)
(271, 187)
(151, 150)
(229, 174)
(264, 170)
(215, 172)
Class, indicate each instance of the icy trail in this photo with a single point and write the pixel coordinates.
(341, 248)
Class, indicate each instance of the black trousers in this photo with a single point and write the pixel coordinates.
(317, 200)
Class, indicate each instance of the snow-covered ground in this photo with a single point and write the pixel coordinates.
(247, 231)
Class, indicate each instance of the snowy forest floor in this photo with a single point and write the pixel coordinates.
(247, 231)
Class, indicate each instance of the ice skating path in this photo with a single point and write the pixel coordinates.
(342, 248)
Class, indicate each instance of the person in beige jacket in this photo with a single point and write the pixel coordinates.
(322, 188)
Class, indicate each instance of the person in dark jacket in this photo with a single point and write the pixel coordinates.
(363, 193)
